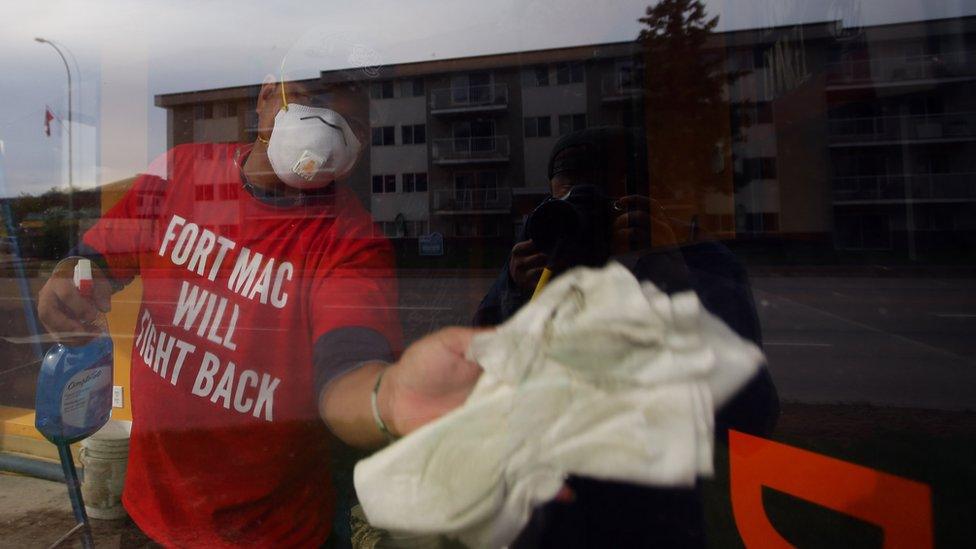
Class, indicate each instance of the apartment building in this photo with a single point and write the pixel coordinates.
(902, 137)
(846, 139)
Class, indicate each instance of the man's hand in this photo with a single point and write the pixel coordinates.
(525, 265)
(63, 310)
(430, 379)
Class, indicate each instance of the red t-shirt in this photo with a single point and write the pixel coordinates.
(227, 446)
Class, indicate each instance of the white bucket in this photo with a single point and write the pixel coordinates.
(104, 456)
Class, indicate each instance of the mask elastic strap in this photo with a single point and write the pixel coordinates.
(284, 100)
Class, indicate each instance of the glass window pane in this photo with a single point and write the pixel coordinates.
(804, 172)
(545, 129)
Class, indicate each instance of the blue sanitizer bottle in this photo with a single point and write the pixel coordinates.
(74, 387)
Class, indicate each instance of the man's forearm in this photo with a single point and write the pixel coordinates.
(345, 405)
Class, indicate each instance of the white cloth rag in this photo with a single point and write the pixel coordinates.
(599, 376)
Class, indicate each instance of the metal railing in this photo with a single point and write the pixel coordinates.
(923, 186)
(894, 69)
(618, 85)
(494, 148)
(469, 98)
(906, 127)
(477, 199)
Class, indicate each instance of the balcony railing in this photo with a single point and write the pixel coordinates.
(618, 86)
(903, 128)
(473, 200)
(895, 69)
(463, 150)
(469, 98)
(932, 186)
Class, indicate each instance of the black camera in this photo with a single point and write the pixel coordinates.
(575, 229)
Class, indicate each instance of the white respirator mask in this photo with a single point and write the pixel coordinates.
(311, 147)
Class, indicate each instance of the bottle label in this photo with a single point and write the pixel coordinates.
(87, 397)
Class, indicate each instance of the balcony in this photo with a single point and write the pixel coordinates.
(473, 200)
(465, 99)
(899, 129)
(932, 187)
(470, 150)
(902, 69)
(621, 87)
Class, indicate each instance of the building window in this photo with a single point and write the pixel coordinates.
(412, 88)
(756, 222)
(384, 136)
(224, 110)
(863, 231)
(483, 227)
(415, 182)
(476, 187)
(759, 57)
(764, 112)
(384, 184)
(415, 134)
(413, 229)
(630, 74)
(400, 229)
(227, 191)
(204, 192)
(537, 126)
(569, 123)
(381, 90)
(569, 73)
(535, 76)
(384, 229)
(203, 111)
(758, 168)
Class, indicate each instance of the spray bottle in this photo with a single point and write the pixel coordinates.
(74, 395)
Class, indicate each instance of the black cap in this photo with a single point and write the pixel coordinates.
(593, 149)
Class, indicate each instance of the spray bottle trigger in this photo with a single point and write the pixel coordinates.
(83, 277)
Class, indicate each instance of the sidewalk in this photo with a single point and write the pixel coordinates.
(35, 513)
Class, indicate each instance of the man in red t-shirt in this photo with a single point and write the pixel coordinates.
(268, 308)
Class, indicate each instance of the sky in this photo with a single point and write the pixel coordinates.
(124, 52)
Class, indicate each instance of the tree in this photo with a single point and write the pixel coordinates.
(687, 112)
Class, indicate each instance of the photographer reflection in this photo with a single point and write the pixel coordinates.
(599, 209)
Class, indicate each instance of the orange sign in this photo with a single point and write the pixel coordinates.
(901, 507)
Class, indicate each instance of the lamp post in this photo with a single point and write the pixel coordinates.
(71, 187)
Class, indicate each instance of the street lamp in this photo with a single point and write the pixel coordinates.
(71, 187)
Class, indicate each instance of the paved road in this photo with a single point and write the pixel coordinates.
(889, 342)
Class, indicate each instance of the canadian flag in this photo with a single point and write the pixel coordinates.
(48, 117)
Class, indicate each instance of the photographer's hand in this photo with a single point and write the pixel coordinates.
(525, 265)
(641, 224)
